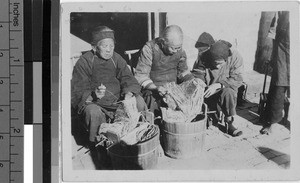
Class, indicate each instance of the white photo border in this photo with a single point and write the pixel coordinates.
(67, 173)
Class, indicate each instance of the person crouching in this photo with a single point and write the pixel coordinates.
(223, 76)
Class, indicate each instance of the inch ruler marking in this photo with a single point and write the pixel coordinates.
(11, 92)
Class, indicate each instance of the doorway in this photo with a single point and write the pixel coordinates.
(132, 30)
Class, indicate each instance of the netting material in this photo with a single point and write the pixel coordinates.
(126, 127)
(184, 100)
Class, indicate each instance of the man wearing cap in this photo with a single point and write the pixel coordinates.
(223, 75)
(162, 60)
(203, 44)
(101, 77)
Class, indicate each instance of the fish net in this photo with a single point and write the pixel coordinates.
(184, 101)
(126, 127)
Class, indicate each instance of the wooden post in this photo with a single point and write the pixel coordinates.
(149, 27)
(156, 25)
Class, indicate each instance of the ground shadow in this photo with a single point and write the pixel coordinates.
(277, 157)
(286, 123)
(249, 111)
(78, 131)
(245, 109)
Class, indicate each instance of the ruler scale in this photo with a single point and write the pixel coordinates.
(11, 91)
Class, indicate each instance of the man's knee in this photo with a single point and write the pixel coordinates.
(228, 101)
(94, 115)
(93, 110)
(228, 92)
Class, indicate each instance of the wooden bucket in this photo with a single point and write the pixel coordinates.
(140, 156)
(184, 140)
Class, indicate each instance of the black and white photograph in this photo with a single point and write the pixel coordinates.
(178, 91)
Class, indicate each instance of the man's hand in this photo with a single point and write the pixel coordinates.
(212, 89)
(128, 95)
(100, 91)
(161, 90)
(152, 86)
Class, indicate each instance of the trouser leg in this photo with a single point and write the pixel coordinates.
(93, 118)
(228, 100)
(275, 104)
(224, 100)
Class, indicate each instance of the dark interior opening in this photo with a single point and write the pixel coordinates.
(131, 29)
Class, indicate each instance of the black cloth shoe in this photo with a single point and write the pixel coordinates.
(232, 130)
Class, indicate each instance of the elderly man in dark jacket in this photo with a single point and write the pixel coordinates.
(223, 75)
(100, 79)
(162, 60)
(280, 81)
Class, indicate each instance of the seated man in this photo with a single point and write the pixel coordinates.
(100, 79)
(162, 60)
(223, 75)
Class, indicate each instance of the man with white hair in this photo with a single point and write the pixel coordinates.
(162, 60)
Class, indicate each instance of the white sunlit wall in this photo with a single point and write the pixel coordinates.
(240, 29)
